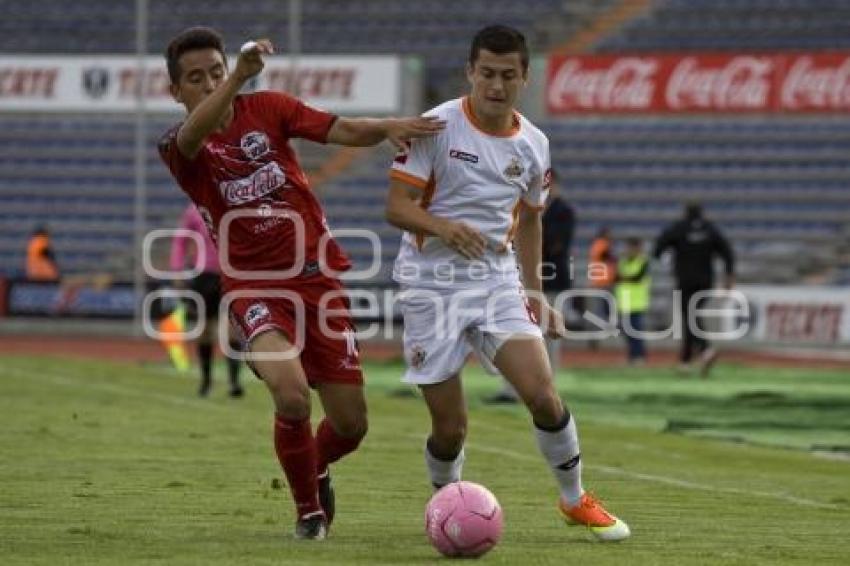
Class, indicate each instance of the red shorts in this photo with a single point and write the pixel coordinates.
(315, 317)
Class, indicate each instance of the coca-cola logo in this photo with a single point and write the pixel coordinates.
(700, 82)
(742, 83)
(260, 183)
(809, 86)
(627, 84)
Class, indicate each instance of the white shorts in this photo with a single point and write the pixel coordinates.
(442, 327)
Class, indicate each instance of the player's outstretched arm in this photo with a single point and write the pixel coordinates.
(209, 114)
(403, 211)
(361, 132)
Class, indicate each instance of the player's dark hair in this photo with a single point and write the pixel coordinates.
(190, 39)
(500, 40)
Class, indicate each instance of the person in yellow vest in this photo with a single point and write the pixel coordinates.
(41, 263)
(633, 293)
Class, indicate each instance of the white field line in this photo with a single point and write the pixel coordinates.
(652, 478)
(611, 470)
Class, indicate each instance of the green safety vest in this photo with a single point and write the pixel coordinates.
(633, 296)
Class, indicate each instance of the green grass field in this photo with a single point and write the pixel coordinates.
(113, 464)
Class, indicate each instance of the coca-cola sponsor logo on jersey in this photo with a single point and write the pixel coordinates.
(628, 83)
(739, 83)
(808, 85)
(261, 182)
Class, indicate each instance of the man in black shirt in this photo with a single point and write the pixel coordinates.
(695, 243)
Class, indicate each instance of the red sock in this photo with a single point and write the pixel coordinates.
(296, 450)
(331, 446)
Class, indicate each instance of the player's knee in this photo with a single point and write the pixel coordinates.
(293, 405)
(292, 401)
(546, 408)
(354, 426)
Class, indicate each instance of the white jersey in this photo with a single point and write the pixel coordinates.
(477, 178)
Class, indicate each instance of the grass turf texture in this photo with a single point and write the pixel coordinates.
(115, 464)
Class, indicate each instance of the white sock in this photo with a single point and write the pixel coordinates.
(560, 448)
(444, 472)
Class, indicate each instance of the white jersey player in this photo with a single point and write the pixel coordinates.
(464, 198)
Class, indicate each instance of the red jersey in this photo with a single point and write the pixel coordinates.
(251, 167)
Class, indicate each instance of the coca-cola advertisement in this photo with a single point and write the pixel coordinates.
(699, 82)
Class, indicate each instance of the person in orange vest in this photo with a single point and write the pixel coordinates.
(41, 262)
(601, 274)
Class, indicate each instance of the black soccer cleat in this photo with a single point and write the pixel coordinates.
(312, 527)
(327, 496)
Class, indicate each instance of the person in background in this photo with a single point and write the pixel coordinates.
(41, 260)
(208, 285)
(602, 274)
(695, 243)
(633, 296)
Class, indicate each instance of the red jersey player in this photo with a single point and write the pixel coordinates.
(232, 157)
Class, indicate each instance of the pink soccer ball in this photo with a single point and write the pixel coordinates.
(463, 519)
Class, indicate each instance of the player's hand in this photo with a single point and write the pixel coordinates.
(400, 130)
(462, 238)
(551, 321)
(250, 60)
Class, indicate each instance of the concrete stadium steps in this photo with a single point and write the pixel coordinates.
(736, 24)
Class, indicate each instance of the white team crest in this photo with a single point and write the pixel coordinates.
(255, 145)
(515, 169)
(256, 314)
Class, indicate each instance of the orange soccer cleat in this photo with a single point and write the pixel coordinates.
(589, 512)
